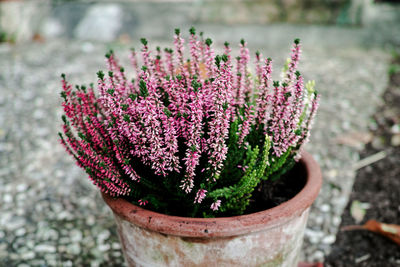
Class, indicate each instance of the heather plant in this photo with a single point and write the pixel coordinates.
(191, 136)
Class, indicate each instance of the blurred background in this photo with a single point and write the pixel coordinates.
(125, 20)
(50, 214)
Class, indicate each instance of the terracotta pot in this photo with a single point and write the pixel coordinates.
(268, 238)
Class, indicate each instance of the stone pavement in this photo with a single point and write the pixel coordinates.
(50, 213)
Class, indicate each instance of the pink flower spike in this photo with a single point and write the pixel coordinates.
(215, 205)
(245, 126)
(201, 194)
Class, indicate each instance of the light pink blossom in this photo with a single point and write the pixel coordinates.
(215, 205)
(200, 195)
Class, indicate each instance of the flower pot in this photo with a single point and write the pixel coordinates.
(268, 238)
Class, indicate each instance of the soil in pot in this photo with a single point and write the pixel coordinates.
(270, 193)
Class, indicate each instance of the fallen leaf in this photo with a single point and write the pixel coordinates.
(307, 264)
(358, 210)
(38, 38)
(391, 231)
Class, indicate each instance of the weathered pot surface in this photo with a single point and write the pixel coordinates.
(268, 238)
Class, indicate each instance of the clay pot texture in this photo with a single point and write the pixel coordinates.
(268, 238)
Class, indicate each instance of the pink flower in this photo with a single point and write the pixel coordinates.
(220, 121)
(200, 195)
(142, 202)
(215, 205)
(263, 103)
(244, 128)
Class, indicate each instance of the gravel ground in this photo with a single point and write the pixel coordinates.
(376, 191)
(52, 216)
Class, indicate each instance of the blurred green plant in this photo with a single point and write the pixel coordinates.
(3, 37)
(394, 69)
(6, 37)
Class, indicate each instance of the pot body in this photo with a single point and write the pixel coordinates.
(278, 246)
(268, 238)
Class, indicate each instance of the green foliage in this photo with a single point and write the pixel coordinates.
(143, 41)
(239, 184)
(286, 66)
(143, 89)
(7, 37)
(393, 69)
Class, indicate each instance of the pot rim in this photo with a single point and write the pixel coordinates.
(224, 226)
